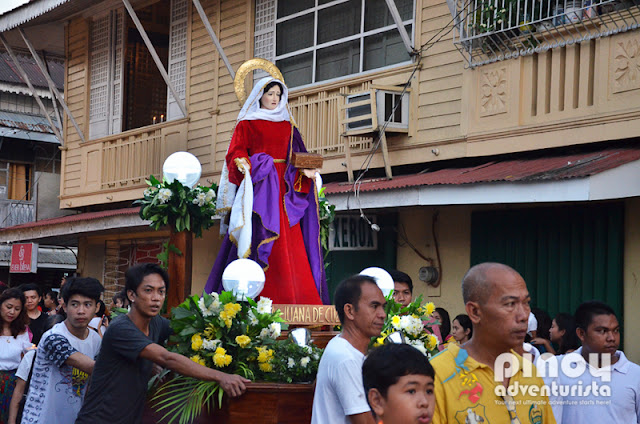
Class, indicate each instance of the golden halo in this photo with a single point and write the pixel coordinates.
(250, 66)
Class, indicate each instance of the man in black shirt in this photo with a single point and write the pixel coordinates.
(33, 296)
(118, 386)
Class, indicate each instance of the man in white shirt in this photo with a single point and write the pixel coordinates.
(339, 396)
(65, 358)
(609, 388)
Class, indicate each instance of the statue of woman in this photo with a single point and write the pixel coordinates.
(282, 200)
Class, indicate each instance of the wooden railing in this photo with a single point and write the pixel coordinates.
(15, 212)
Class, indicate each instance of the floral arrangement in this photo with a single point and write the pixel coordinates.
(234, 337)
(293, 363)
(179, 206)
(410, 321)
(326, 215)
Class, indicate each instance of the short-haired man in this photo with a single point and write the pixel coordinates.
(65, 358)
(469, 385)
(617, 398)
(33, 296)
(339, 396)
(398, 382)
(402, 287)
(129, 348)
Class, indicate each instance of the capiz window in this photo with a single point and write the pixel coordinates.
(319, 40)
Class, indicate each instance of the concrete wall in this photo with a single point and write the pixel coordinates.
(48, 191)
(454, 239)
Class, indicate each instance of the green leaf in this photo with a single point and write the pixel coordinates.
(179, 313)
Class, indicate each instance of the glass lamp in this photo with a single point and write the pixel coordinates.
(184, 167)
(244, 277)
(382, 278)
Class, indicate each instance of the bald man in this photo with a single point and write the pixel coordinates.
(471, 382)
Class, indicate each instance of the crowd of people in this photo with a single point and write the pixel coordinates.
(73, 366)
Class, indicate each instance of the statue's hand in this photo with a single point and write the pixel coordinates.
(241, 162)
(310, 173)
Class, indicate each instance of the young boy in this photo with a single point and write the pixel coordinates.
(398, 381)
(65, 358)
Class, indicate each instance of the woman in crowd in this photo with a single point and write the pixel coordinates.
(14, 342)
(442, 316)
(562, 333)
(462, 329)
(284, 226)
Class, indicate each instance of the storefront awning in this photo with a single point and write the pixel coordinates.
(562, 175)
(67, 229)
(48, 257)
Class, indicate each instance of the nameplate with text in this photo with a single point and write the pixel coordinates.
(315, 315)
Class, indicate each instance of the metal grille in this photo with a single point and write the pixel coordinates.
(99, 69)
(177, 55)
(116, 108)
(265, 33)
(492, 30)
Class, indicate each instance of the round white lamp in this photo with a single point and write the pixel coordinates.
(244, 277)
(382, 278)
(184, 167)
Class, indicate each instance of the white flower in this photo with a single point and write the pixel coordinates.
(205, 312)
(199, 199)
(252, 318)
(418, 345)
(264, 305)
(274, 330)
(210, 344)
(316, 356)
(291, 363)
(264, 333)
(304, 361)
(210, 196)
(308, 349)
(164, 195)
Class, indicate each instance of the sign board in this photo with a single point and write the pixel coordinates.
(350, 232)
(312, 315)
(24, 258)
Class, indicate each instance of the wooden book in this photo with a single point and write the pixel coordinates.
(306, 160)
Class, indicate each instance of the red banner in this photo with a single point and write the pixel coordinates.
(24, 258)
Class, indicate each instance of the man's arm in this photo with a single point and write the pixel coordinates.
(232, 384)
(364, 418)
(81, 361)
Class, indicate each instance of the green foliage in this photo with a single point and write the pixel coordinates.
(180, 207)
(413, 321)
(327, 213)
(163, 257)
(294, 363)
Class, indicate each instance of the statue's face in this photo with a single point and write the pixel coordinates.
(271, 98)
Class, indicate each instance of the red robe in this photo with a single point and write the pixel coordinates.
(288, 277)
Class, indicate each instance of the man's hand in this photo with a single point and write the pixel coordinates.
(232, 384)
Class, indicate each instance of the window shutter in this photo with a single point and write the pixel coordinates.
(177, 56)
(117, 58)
(265, 34)
(99, 69)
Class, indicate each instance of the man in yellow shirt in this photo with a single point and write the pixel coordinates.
(473, 384)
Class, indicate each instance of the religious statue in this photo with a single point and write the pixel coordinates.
(272, 206)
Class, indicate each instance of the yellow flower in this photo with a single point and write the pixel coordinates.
(379, 341)
(196, 342)
(264, 355)
(429, 308)
(198, 360)
(265, 367)
(231, 309)
(243, 340)
(395, 321)
(210, 331)
(221, 359)
(432, 342)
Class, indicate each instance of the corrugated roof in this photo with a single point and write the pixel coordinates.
(23, 121)
(87, 216)
(528, 167)
(9, 72)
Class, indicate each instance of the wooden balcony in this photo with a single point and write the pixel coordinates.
(113, 168)
(578, 93)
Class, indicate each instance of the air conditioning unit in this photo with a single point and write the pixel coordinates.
(386, 100)
(359, 109)
(360, 105)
